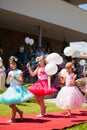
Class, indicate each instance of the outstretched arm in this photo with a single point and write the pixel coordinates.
(84, 56)
(32, 73)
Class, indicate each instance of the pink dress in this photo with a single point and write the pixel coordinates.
(69, 96)
(40, 88)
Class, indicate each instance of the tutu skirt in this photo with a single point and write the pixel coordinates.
(14, 95)
(69, 97)
(40, 88)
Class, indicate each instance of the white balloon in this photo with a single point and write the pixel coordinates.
(31, 42)
(68, 51)
(80, 45)
(54, 57)
(60, 60)
(27, 40)
(51, 68)
(37, 58)
(82, 62)
(63, 72)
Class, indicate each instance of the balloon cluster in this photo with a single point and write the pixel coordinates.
(75, 49)
(29, 41)
(53, 59)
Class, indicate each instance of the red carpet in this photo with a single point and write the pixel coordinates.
(52, 121)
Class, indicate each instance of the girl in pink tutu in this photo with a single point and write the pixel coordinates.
(69, 96)
(42, 87)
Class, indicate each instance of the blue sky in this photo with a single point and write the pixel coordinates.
(83, 6)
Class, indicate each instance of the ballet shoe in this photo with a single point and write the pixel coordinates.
(12, 120)
(68, 114)
(40, 115)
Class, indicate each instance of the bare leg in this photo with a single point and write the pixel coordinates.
(42, 106)
(20, 113)
(13, 107)
(37, 100)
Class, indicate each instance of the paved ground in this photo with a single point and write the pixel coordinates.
(51, 100)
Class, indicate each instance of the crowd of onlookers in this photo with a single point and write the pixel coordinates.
(32, 58)
(24, 59)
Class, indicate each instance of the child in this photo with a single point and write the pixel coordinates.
(69, 96)
(16, 93)
(2, 75)
(42, 87)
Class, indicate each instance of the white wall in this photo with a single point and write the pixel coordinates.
(53, 11)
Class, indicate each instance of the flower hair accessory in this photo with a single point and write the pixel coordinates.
(16, 59)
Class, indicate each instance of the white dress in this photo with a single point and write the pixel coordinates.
(69, 96)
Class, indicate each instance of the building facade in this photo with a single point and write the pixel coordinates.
(49, 22)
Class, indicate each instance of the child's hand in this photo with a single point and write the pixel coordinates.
(72, 84)
(12, 76)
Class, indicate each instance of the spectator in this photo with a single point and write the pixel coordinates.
(2, 75)
(39, 52)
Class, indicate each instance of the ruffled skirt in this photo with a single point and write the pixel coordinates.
(69, 97)
(40, 88)
(14, 95)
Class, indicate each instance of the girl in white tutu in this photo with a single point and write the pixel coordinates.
(69, 96)
(15, 93)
